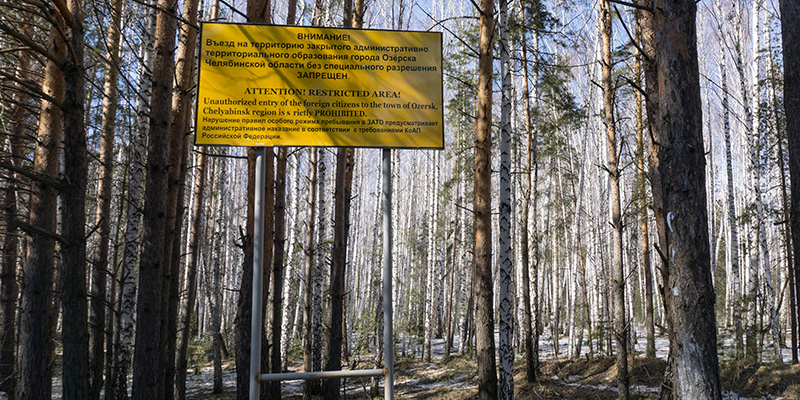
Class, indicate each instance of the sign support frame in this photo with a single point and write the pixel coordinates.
(256, 377)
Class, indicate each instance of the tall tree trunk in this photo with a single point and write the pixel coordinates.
(786, 214)
(618, 271)
(732, 220)
(679, 162)
(9, 288)
(484, 314)
(36, 308)
(111, 332)
(190, 285)
(649, 322)
(215, 293)
(344, 181)
(278, 275)
(427, 265)
(291, 290)
(732, 223)
(133, 214)
(506, 271)
(269, 246)
(750, 298)
(278, 269)
(760, 139)
(528, 260)
(181, 102)
(178, 134)
(320, 261)
(342, 194)
(148, 382)
(75, 328)
(308, 294)
(100, 267)
(790, 33)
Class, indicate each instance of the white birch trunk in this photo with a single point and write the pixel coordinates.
(506, 301)
(733, 243)
(290, 289)
(134, 218)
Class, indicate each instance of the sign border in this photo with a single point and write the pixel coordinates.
(199, 70)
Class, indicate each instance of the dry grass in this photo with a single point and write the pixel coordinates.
(455, 378)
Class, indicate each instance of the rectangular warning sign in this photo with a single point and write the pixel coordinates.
(301, 86)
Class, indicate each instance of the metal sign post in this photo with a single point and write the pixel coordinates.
(258, 276)
(388, 341)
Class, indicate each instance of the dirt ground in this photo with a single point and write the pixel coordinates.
(454, 378)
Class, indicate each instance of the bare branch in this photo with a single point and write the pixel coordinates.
(635, 43)
(35, 230)
(634, 5)
(36, 176)
(28, 42)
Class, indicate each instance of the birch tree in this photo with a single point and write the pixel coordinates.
(125, 319)
(308, 293)
(190, 284)
(506, 301)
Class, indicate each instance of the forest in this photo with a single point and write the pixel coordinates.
(615, 213)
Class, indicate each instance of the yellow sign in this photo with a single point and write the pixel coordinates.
(300, 86)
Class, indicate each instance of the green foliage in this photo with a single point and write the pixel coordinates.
(200, 351)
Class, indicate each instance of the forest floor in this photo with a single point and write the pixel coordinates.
(455, 378)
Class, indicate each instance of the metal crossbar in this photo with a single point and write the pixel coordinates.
(353, 373)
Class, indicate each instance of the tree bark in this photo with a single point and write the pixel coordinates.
(735, 285)
(484, 314)
(530, 330)
(680, 162)
(278, 269)
(342, 194)
(618, 271)
(649, 321)
(786, 215)
(178, 134)
(308, 293)
(292, 288)
(125, 319)
(36, 308)
(100, 267)
(9, 288)
(148, 381)
(75, 328)
(190, 285)
(506, 270)
(344, 182)
(215, 292)
(278, 275)
(790, 33)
